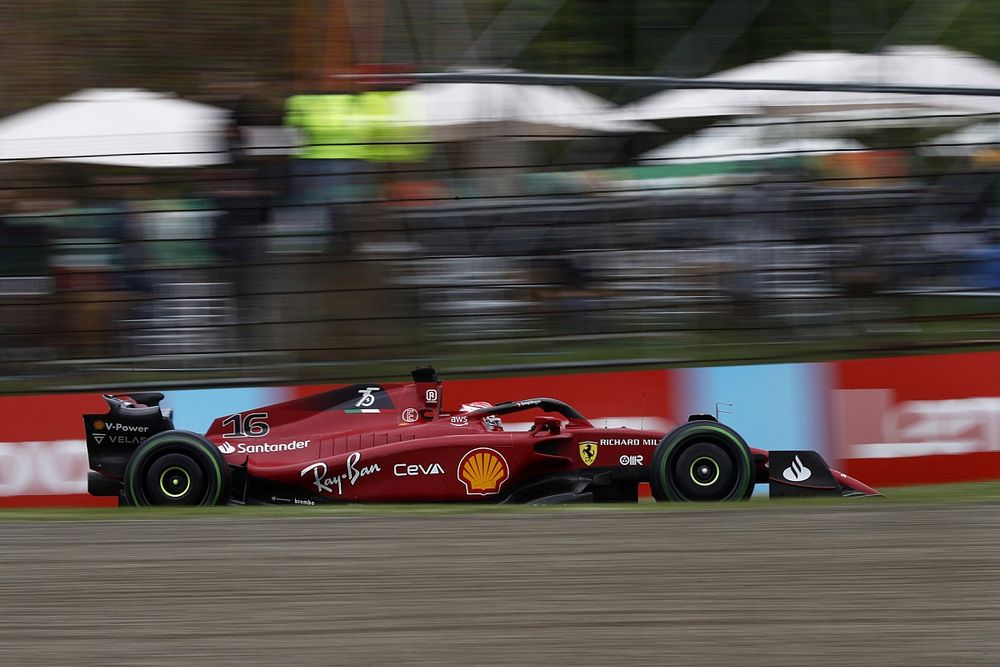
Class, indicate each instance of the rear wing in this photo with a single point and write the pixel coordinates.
(114, 435)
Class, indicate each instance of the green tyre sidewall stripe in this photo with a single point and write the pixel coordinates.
(175, 436)
(683, 434)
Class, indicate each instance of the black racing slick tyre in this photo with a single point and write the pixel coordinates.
(176, 468)
(702, 461)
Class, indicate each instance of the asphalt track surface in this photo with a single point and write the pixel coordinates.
(863, 583)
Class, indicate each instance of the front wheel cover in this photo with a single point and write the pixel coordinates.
(210, 463)
(708, 438)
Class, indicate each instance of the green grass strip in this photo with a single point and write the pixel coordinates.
(938, 494)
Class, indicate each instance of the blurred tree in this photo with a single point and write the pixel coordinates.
(53, 47)
(49, 48)
(696, 37)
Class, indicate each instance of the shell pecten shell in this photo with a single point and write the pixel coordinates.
(482, 471)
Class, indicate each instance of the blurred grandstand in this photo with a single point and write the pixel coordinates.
(361, 230)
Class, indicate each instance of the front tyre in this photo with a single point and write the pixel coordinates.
(702, 461)
(176, 468)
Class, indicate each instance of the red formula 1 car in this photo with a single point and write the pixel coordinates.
(394, 443)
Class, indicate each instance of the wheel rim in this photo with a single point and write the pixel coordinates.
(704, 471)
(175, 482)
(173, 478)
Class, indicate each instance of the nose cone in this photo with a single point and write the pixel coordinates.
(853, 487)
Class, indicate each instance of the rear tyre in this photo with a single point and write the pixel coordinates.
(176, 468)
(702, 461)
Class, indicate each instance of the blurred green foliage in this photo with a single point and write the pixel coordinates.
(696, 37)
(52, 47)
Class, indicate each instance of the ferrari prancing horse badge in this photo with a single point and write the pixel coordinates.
(588, 451)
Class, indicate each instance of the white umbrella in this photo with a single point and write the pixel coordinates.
(902, 65)
(742, 142)
(457, 111)
(967, 141)
(128, 127)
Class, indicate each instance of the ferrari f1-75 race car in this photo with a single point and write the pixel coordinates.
(395, 443)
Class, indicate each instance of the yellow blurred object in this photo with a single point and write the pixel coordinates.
(989, 157)
(865, 168)
(332, 126)
(393, 119)
(377, 126)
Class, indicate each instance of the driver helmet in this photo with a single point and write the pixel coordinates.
(491, 422)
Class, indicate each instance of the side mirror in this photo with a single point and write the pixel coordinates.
(546, 423)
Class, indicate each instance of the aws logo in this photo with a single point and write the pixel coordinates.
(482, 471)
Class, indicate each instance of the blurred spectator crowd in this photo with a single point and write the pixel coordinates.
(321, 247)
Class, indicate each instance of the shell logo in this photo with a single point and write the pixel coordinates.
(482, 471)
(98, 425)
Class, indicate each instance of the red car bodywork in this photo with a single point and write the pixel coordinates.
(408, 450)
(394, 443)
(403, 448)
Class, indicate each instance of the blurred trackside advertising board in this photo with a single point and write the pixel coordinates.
(43, 459)
(918, 420)
(893, 421)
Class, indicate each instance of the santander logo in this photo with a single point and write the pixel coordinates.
(796, 472)
(262, 448)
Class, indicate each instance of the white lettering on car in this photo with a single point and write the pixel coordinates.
(353, 473)
(292, 501)
(630, 442)
(124, 439)
(262, 448)
(250, 425)
(127, 428)
(411, 469)
(367, 397)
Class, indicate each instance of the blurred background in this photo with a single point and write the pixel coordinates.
(240, 200)
(260, 192)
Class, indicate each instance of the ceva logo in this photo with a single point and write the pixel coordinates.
(411, 469)
(796, 472)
